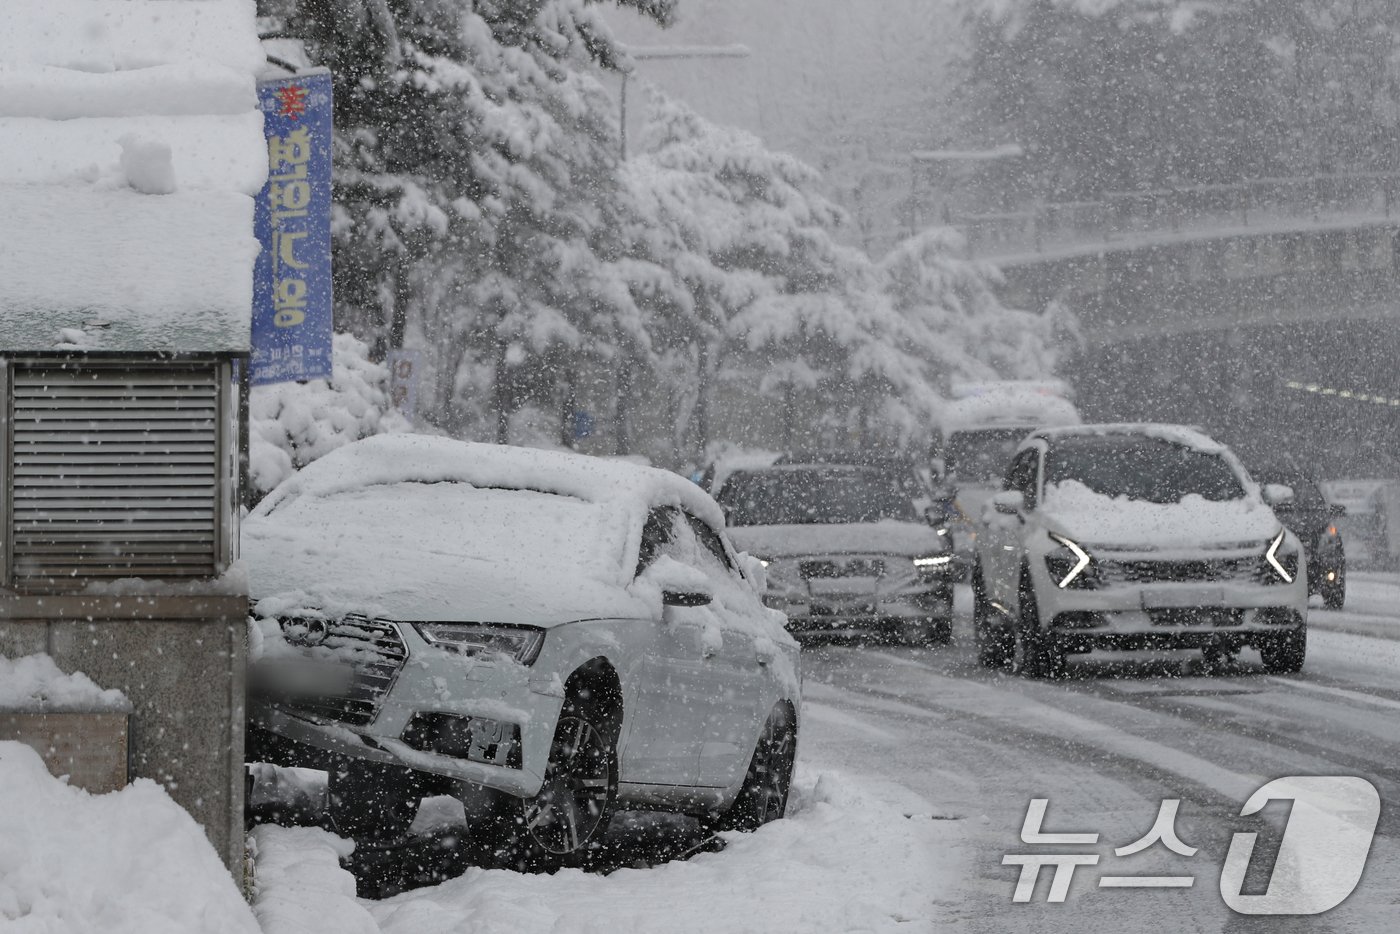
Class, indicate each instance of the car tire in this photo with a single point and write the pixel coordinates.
(1334, 593)
(992, 648)
(1034, 653)
(764, 795)
(369, 801)
(1285, 655)
(562, 823)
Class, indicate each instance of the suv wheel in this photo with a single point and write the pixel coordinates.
(1285, 655)
(1334, 592)
(992, 648)
(1034, 653)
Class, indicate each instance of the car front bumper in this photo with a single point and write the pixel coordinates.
(517, 706)
(1185, 614)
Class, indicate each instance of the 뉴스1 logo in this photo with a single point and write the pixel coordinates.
(1319, 861)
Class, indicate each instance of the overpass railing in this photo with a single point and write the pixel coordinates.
(1139, 217)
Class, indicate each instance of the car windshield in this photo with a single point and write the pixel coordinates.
(1142, 468)
(814, 496)
(978, 456)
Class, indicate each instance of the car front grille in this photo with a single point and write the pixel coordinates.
(374, 651)
(1216, 570)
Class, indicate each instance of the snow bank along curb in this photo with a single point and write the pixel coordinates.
(844, 860)
(129, 862)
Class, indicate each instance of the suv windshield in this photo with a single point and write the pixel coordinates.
(976, 456)
(1138, 467)
(814, 496)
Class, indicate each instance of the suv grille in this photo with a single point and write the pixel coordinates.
(1157, 572)
(837, 567)
(373, 649)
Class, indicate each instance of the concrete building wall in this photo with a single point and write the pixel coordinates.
(180, 661)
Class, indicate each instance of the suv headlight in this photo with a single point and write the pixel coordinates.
(521, 643)
(933, 562)
(1280, 564)
(1072, 567)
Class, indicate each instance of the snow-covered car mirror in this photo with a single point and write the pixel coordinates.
(1278, 494)
(755, 571)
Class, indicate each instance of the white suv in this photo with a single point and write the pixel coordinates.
(1134, 537)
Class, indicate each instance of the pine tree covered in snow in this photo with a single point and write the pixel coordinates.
(292, 424)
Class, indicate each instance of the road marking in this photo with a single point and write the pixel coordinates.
(1358, 696)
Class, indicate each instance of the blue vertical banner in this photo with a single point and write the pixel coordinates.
(292, 278)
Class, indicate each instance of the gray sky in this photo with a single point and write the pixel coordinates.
(850, 86)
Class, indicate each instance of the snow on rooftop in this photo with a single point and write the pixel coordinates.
(130, 149)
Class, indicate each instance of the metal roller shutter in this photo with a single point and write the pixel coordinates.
(116, 472)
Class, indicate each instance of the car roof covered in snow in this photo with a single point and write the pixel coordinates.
(411, 458)
(130, 148)
(1184, 435)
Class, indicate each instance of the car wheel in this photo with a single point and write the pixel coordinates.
(369, 801)
(1034, 654)
(763, 796)
(992, 650)
(1286, 655)
(1334, 593)
(574, 805)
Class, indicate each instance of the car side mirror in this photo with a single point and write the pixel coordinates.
(1278, 494)
(1009, 502)
(1336, 510)
(685, 598)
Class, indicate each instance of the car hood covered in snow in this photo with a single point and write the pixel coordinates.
(887, 537)
(1107, 522)
(417, 528)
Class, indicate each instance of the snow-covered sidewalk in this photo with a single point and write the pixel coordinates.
(852, 855)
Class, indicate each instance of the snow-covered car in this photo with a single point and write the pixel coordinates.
(547, 636)
(1133, 537)
(845, 549)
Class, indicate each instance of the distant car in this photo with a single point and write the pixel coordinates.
(546, 636)
(846, 551)
(1134, 537)
(1313, 519)
(935, 504)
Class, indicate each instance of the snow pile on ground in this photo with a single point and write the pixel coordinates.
(846, 859)
(34, 682)
(130, 149)
(293, 424)
(129, 862)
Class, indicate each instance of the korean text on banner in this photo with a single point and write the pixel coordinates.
(292, 279)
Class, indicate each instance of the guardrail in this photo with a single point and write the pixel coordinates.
(1139, 216)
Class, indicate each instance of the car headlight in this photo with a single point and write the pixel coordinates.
(521, 643)
(1069, 570)
(930, 562)
(1283, 564)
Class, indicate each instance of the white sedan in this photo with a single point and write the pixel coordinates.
(1133, 537)
(547, 636)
